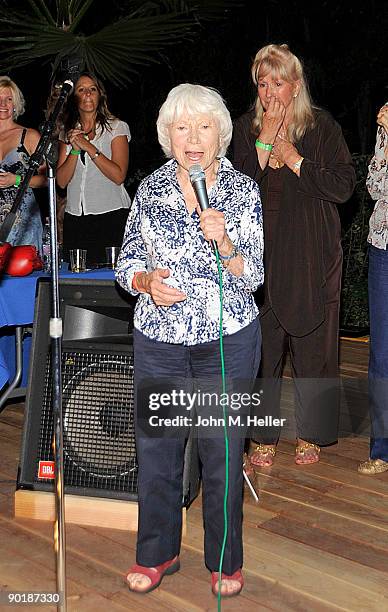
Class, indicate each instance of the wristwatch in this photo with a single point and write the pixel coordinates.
(97, 153)
(297, 165)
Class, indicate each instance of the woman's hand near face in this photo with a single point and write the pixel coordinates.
(161, 293)
(272, 120)
(77, 139)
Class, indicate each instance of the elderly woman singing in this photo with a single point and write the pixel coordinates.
(167, 257)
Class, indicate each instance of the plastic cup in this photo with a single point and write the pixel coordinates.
(112, 253)
(78, 260)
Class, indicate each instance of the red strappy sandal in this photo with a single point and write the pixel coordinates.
(237, 576)
(155, 574)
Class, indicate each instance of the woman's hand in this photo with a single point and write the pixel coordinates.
(272, 120)
(212, 223)
(7, 179)
(161, 293)
(382, 117)
(77, 139)
(284, 150)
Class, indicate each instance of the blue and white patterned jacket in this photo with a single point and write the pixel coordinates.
(160, 233)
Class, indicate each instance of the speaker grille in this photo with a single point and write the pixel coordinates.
(98, 421)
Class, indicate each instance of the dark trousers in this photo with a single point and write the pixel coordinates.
(378, 358)
(314, 365)
(160, 479)
(94, 233)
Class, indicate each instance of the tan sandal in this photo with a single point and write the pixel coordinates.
(307, 453)
(263, 455)
(372, 467)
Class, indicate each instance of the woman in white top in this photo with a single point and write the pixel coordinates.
(93, 163)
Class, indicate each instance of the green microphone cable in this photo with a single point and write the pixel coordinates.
(226, 491)
(198, 181)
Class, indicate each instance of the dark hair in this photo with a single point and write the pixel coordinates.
(71, 115)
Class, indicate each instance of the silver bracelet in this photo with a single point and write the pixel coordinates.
(297, 165)
(233, 254)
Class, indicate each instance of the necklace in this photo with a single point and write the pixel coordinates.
(86, 134)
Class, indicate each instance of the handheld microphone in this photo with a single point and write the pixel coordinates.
(198, 181)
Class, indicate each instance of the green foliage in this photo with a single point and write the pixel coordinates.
(354, 297)
(36, 30)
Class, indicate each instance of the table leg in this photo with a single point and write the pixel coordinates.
(19, 370)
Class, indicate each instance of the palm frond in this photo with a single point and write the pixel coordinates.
(115, 51)
(78, 13)
(42, 12)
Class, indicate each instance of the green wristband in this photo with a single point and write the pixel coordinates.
(18, 180)
(75, 152)
(263, 145)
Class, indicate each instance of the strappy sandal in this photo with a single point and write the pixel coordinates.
(248, 467)
(155, 574)
(265, 455)
(237, 576)
(303, 452)
(372, 467)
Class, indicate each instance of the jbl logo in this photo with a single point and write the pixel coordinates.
(46, 469)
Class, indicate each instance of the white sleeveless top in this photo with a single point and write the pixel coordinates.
(89, 191)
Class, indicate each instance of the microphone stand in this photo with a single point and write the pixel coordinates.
(47, 148)
(56, 367)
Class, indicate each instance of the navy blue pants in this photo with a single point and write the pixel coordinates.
(160, 479)
(378, 359)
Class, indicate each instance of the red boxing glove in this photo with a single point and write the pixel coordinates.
(5, 253)
(24, 259)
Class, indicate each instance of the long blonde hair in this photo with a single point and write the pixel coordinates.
(280, 62)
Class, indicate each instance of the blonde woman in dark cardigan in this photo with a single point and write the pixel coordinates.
(297, 154)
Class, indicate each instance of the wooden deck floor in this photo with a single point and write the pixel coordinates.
(317, 540)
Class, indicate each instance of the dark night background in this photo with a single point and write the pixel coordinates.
(344, 50)
(343, 46)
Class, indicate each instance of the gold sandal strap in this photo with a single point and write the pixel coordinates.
(303, 448)
(373, 466)
(263, 449)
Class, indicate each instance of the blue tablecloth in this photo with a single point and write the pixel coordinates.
(17, 302)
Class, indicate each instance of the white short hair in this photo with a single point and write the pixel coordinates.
(194, 100)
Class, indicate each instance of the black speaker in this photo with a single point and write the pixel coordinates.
(97, 386)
